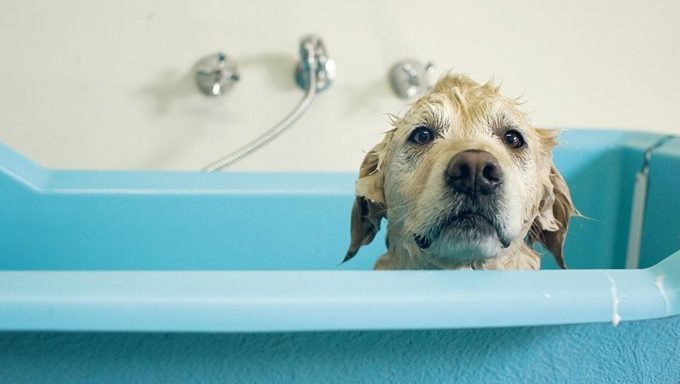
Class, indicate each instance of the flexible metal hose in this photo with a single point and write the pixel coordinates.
(275, 131)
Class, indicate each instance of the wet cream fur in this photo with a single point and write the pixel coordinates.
(407, 186)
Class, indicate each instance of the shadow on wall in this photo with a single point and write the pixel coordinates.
(369, 99)
(171, 86)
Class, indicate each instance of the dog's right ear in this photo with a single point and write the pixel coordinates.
(369, 206)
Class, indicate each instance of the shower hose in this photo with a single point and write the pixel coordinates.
(279, 128)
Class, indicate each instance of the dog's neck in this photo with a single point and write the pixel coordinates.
(403, 253)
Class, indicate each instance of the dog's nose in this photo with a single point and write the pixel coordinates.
(474, 172)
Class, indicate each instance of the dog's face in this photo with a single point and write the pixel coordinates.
(462, 177)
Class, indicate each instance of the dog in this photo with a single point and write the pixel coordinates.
(465, 182)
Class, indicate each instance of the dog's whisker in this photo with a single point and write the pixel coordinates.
(398, 220)
(402, 206)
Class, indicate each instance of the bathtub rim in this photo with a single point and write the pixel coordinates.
(272, 301)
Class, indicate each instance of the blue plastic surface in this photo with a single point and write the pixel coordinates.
(141, 254)
(171, 251)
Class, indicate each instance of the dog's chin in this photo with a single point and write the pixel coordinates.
(465, 239)
(461, 246)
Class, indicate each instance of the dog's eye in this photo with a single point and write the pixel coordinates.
(421, 135)
(513, 139)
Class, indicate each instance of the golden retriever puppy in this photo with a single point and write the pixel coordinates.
(465, 182)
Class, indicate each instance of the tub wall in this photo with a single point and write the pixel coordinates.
(107, 86)
(67, 220)
(661, 230)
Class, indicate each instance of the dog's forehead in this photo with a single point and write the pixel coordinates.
(459, 103)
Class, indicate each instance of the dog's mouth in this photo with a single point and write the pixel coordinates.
(469, 224)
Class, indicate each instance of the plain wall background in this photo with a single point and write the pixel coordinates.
(108, 85)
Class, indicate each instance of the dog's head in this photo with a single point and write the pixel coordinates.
(462, 177)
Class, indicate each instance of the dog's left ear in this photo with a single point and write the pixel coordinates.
(551, 224)
(369, 205)
(555, 209)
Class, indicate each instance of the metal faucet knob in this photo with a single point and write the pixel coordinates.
(216, 74)
(313, 54)
(411, 78)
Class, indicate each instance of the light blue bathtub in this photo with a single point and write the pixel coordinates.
(191, 277)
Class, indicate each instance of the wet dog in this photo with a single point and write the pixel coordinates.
(464, 181)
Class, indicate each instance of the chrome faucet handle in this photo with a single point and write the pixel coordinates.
(216, 74)
(313, 54)
(411, 78)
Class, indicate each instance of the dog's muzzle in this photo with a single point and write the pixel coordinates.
(476, 175)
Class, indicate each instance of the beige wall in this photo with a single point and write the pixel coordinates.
(106, 85)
